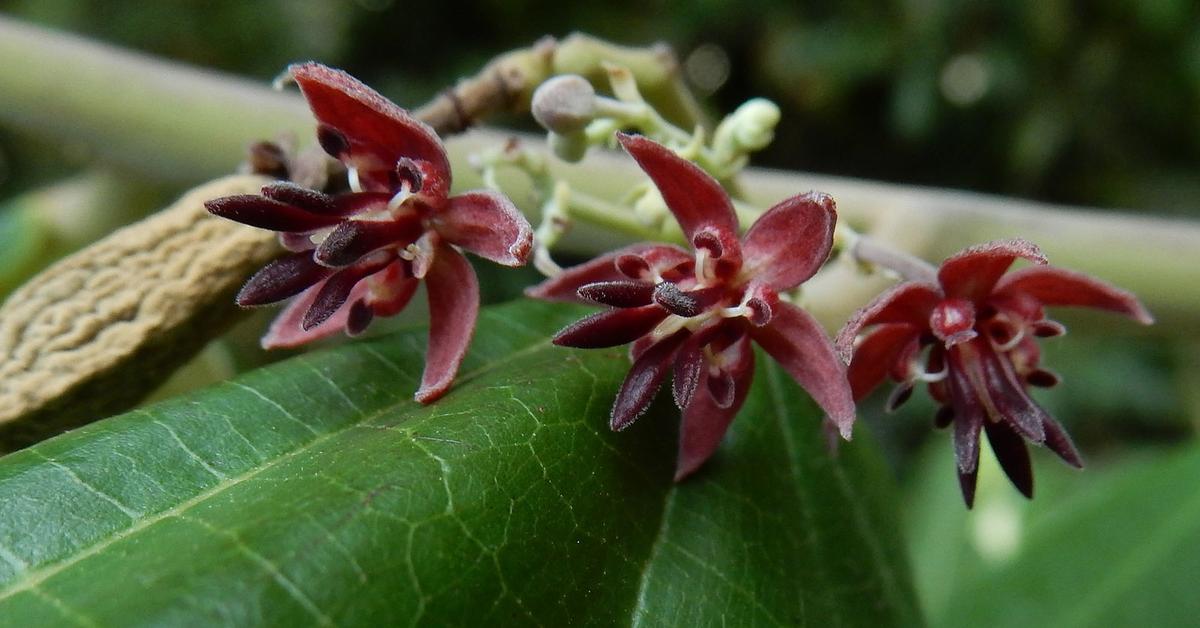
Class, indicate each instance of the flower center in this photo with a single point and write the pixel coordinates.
(953, 321)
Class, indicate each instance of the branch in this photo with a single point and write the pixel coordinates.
(178, 123)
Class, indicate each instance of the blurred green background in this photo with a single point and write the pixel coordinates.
(1094, 104)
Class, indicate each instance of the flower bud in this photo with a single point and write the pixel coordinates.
(752, 126)
(564, 104)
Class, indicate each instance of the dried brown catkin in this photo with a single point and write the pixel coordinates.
(96, 331)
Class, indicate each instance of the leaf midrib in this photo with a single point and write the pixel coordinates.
(31, 579)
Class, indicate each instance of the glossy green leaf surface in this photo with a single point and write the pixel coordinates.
(314, 491)
(1113, 546)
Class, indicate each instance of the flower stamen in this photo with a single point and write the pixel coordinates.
(397, 201)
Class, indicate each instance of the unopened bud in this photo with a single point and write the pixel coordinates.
(752, 126)
(564, 104)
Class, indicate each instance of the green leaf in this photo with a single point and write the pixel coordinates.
(1114, 545)
(314, 491)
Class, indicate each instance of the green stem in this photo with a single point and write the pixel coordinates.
(165, 120)
(599, 212)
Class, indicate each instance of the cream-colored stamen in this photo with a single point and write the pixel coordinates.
(1012, 342)
(400, 197)
(701, 267)
(410, 252)
(930, 378)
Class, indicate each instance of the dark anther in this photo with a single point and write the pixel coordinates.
(944, 417)
(618, 293)
(332, 140)
(901, 393)
(675, 300)
(359, 317)
(760, 312)
(1042, 378)
(709, 241)
(304, 198)
(407, 171)
(267, 158)
(633, 266)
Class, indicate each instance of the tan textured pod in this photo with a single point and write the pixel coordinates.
(96, 331)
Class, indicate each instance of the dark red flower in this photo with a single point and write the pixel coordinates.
(971, 336)
(697, 312)
(361, 254)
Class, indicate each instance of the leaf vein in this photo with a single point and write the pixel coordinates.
(269, 567)
(188, 450)
(273, 404)
(46, 571)
(70, 473)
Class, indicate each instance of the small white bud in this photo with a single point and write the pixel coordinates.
(752, 126)
(564, 104)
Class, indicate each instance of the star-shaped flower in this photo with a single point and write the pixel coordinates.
(972, 337)
(362, 254)
(696, 313)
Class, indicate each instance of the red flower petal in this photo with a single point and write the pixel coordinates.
(698, 202)
(691, 365)
(721, 388)
(799, 344)
(972, 273)
(426, 247)
(487, 224)
(1056, 286)
(453, 306)
(565, 285)
(968, 420)
(788, 243)
(966, 482)
(1060, 443)
(611, 328)
(391, 289)
(264, 213)
(877, 354)
(378, 132)
(705, 422)
(643, 380)
(285, 331)
(909, 303)
(990, 378)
